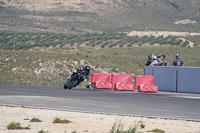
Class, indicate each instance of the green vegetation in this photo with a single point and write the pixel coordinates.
(2, 3)
(58, 120)
(118, 128)
(157, 131)
(52, 67)
(14, 126)
(194, 39)
(35, 120)
(26, 41)
(41, 131)
(185, 44)
(142, 126)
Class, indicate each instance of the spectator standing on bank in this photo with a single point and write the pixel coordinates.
(164, 62)
(150, 59)
(157, 61)
(178, 61)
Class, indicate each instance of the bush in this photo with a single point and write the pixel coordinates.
(157, 131)
(104, 44)
(172, 41)
(178, 42)
(41, 131)
(119, 129)
(185, 44)
(35, 120)
(14, 126)
(57, 120)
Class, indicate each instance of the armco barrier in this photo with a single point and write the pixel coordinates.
(175, 79)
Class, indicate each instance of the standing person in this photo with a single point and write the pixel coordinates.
(164, 62)
(178, 61)
(150, 59)
(157, 61)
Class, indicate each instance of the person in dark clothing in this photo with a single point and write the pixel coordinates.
(163, 61)
(178, 61)
(149, 60)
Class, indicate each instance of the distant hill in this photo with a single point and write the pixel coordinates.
(79, 16)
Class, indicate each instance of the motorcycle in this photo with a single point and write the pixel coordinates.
(75, 79)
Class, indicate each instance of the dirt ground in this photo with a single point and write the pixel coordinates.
(87, 122)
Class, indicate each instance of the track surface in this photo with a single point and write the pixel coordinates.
(162, 104)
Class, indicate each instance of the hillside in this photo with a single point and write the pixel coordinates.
(46, 67)
(78, 16)
(41, 42)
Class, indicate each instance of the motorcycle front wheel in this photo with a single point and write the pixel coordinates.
(65, 86)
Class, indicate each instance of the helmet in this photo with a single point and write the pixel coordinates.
(87, 69)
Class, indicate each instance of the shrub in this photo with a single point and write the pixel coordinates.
(14, 126)
(104, 44)
(58, 120)
(185, 44)
(113, 44)
(35, 120)
(172, 41)
(142, 125)
(41, 131)
(119, 129)
(178, 42)
(157, 131)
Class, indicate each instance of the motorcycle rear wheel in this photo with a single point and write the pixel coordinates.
(73, 83)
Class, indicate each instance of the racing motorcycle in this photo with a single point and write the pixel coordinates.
(78, 76)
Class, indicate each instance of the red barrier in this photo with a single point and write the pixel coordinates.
(100, 77)
(121, 86)
(144, 80)
(101, 80)
(123, 78)
(103, 85)
(122, 82)
(148, 88)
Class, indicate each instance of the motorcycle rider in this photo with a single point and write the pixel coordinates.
(86, 72)
(83, 73)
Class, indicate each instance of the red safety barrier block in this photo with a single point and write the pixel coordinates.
(125, 78)
(103, 85)
(101, 80)
(148, 88)
(121, 86)
(100, 77)
(145, 79)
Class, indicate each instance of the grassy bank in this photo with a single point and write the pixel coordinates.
(52, 67)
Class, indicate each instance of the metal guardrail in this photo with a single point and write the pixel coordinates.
(175, 79)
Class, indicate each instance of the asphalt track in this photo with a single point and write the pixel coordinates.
(162, 104)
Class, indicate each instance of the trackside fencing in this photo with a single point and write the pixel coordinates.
(175, 79)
